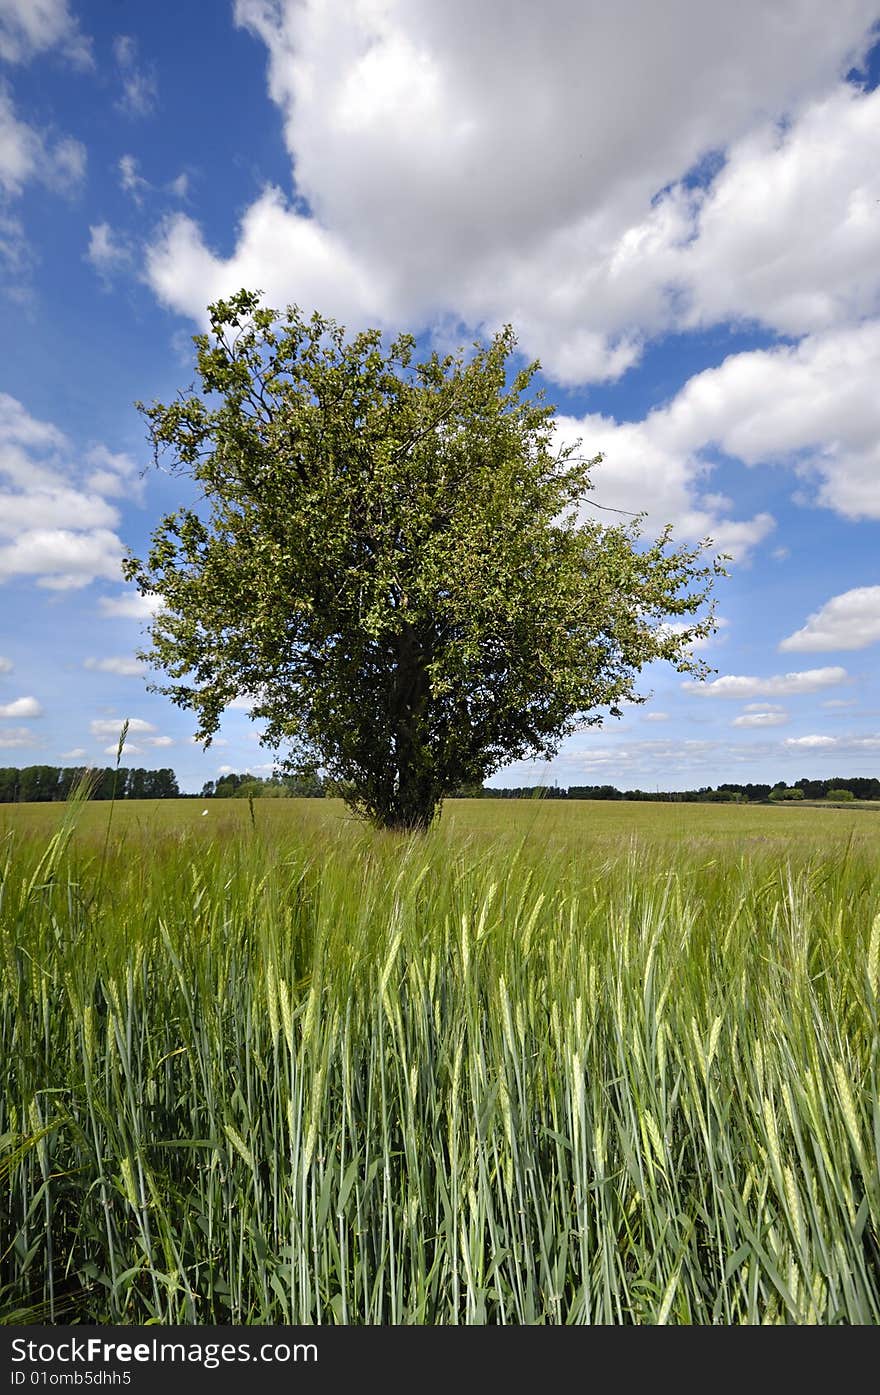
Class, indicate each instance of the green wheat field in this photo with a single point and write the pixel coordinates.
(551, 1063)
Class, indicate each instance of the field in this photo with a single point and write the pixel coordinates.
(552, 1063)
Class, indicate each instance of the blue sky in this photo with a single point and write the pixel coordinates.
(677, 206)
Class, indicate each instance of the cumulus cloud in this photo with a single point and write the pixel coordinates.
(731, 685)
(674, 764)
(813, 408)
(848, 621)
(130, 605)
(122, 666)
(188, 276)
(75, 754)
(21, 707)
(112, 726)
(16, 256)
(140, 92)
(60, 559)
(158, 741)
(27, 153)
(755, 201)
(114, 473)
(435, 191)
(677, 627)
(14, 738)
(811, 742)
(131, 749)
(107, 251)
(54, 525)
(769, 717)
(656, 717)
(131, 181)
(29, 27)
(643, 469)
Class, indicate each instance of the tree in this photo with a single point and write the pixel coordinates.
(840, 795)
(389, 563)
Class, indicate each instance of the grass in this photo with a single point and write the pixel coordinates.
(549, 1064)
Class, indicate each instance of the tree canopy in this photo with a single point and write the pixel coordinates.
(390, 560)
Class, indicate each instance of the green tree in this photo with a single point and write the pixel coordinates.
(9, 784)
(840, 795)
(227, 785)
(390, 563)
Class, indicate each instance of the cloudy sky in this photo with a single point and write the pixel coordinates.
(677, 206)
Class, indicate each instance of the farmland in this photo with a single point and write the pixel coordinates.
(549, 1063)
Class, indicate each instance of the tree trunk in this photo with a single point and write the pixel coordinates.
(416, 792)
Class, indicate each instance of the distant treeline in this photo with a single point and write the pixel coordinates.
(313, 787)
(859, 787)
(48, 783)
(43, 784)
(279, 787)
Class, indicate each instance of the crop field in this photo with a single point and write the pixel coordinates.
(550, 1063)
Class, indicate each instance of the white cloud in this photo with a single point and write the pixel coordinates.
(656, 717)
(67, 167)
(19, 427)
(112, 726)
(187, 276)
(159, 741)
(75, 754)
(29, 27)
(115, 473)
(130, 749)
(179, 187)
(813, 408)
(735, 686)
(677, 627)
(429, 193)
(787, 233)
(811, 742)
(770, 717)
(60, 559)
(54, 526)
(27, 153)
(52, 508)
(437, 191)
(122, 666)
(130, 605)
(107, 251)
(130, 180)
(6, 665)
(20, 148)
(16, 257)
(21, 707)
(13, 738)
(848, 621)
(840, 702)
(140, 91)
(664, 480)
